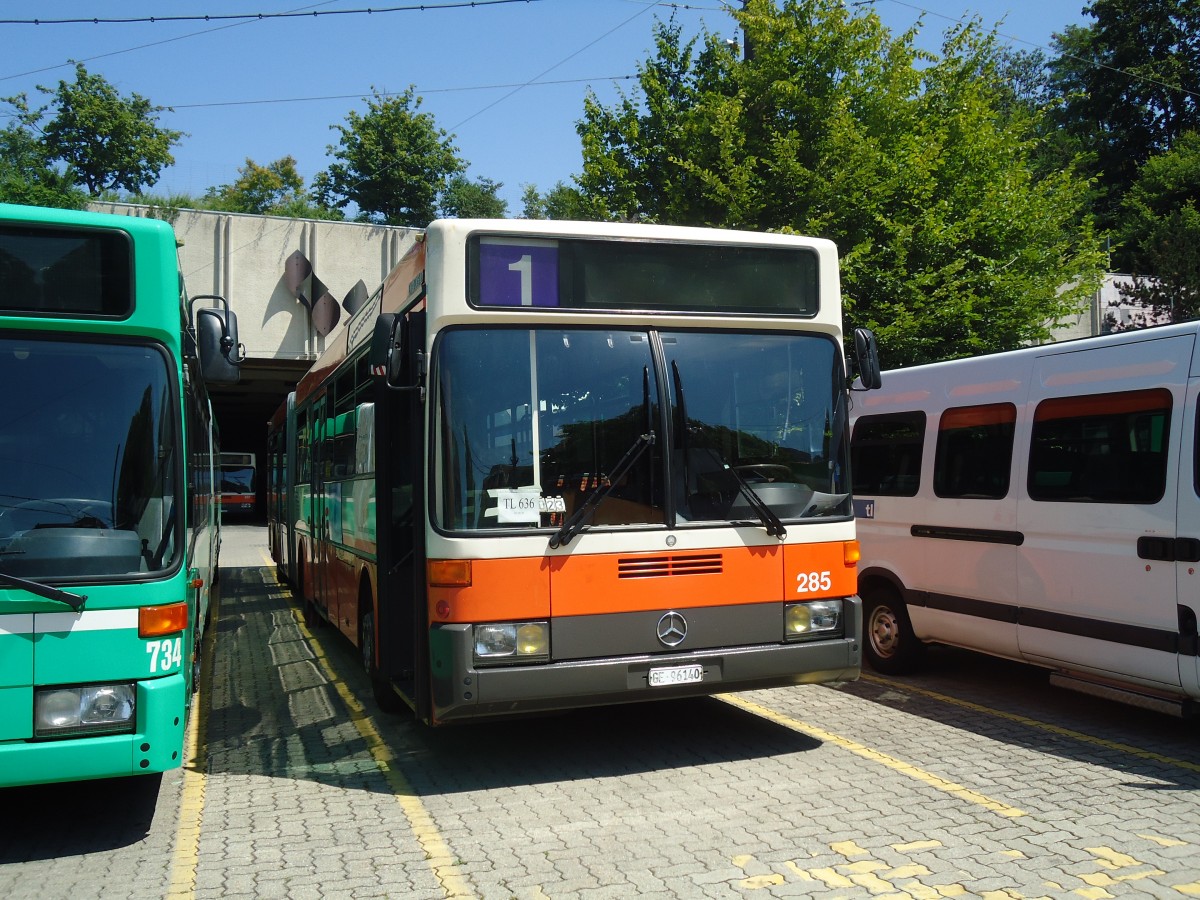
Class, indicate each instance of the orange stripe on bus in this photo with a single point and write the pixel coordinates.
(626, 582)
(807, 565)
(575, 585)
(501, 590)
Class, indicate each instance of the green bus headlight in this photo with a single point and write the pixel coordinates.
(84, 709)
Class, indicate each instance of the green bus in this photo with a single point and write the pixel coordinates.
(109, 516)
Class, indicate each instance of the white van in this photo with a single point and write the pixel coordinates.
(1041, 505)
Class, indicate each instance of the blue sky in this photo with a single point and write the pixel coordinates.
(507, 80)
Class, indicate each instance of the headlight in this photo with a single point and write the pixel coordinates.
(512, 642)
(85, 709)
(816, 618)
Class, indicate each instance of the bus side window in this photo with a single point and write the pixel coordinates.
(885, 454)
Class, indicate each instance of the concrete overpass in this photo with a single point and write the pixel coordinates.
(289, 281)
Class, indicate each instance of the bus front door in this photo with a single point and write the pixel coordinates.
(320, 506)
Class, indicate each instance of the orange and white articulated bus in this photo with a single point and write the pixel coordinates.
(239, 484)
(555, 464)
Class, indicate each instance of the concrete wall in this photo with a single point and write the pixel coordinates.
(242, 257)
(1108, 311)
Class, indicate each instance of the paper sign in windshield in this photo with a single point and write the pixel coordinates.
(523, 505)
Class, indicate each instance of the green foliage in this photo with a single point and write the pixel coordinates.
(392, 163)
(108, 142)
(275, 189)
(26, 175)
(918, 167)
(1128, 86)
(561, 202)
(1161, 228)
(465, 199)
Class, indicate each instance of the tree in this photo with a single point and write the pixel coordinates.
(560, 202)
(918, 167)
(26, 175)
(392, 163)
(1160, 218)
(465, 199)
(108, 142)
(1128, 86)
(275, 189)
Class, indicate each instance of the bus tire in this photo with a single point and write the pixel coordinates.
(311, 619)
(889, 642)
(197, 654)
(385, 697)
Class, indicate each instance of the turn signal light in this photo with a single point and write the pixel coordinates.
(449, 572)
(851, 553)
(154, 621)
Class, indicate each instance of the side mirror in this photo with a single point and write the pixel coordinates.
(217, 346)
(387, 355)
(866, 352)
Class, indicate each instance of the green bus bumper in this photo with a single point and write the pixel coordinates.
(156, 745)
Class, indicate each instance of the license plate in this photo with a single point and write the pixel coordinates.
(676, 675)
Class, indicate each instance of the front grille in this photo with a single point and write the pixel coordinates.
(663, 566)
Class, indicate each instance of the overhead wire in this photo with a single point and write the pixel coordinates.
(293, 14)
(181, 37)
(1009, 37)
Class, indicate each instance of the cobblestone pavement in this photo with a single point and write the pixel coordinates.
(975, 779)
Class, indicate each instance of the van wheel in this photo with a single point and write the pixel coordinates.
(891, 647)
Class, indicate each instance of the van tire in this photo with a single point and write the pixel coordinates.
(889, 642)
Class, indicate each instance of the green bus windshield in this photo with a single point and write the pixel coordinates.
(87, 469)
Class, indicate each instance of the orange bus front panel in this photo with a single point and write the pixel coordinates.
(817, 571)
(630, 582)
(500, 590)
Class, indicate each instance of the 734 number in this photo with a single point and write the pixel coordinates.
(165, 655)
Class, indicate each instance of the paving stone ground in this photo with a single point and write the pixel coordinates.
(975, 779)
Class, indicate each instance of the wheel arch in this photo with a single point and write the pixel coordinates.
(875, 577)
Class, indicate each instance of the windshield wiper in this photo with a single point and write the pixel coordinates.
(574, 525)
(75, 601)
(770, 521)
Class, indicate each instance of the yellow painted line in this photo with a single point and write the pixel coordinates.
(1034, 723)
(883, 759)
(186, 857)
(420, 822)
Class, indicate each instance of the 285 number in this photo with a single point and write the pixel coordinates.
(813, 582)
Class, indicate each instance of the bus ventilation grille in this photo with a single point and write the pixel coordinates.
(662, 566)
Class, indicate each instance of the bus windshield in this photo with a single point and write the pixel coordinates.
(531, 422)
(87, 470)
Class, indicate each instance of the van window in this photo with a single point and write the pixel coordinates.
(1102, 448)
(885, 454)
(974, 451)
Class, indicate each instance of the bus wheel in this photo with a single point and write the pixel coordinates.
(385, 698)
(891, 647)
(311, 619)
(197, 660)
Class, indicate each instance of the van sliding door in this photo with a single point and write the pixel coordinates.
(1096, 576)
